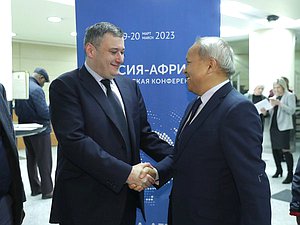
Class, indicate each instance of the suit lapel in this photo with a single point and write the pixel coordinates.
(212, 103)
(91, 85)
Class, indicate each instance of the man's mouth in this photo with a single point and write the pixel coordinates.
(116, 66)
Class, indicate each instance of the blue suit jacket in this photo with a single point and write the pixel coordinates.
(218, 174)
(93, 164)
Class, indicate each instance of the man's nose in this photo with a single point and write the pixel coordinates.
(120, 57)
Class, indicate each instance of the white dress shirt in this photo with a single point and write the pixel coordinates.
(113, 86)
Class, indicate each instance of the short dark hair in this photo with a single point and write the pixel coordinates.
(94, 33)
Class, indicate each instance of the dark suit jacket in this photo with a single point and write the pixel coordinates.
(92, 161)
(16, 190)
(295, 203)
(219, 177)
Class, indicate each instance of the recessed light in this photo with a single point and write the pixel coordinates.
(64, 2)
(54, 19)
(74, 34)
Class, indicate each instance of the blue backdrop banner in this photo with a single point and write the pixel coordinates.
(157, 36)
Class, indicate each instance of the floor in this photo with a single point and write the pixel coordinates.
(37, 210)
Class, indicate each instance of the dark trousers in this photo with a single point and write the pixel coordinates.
(6, 217)
(39, 156)
(129, 216)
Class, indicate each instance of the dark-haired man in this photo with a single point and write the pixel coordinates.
(100, 121)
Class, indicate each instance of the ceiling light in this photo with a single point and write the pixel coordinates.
(64, 2)
(54, 19)
(13, 34)
(74, 34)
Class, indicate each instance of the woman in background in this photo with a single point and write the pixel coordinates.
(281, 123)
(256, 97)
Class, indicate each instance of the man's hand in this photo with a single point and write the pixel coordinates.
(146, 172)
(139, 179)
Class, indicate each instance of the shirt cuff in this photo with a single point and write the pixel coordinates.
(156, 176)
(295, 213)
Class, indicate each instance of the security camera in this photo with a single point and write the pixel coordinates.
(271, 18)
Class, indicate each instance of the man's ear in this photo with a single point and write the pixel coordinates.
(89, 50)
(212, 64)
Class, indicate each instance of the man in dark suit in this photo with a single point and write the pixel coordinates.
(218, 174)
(12, 193)
(100, 121)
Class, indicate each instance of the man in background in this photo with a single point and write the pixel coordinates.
(295, 203)
(11, 187)
(38, 147)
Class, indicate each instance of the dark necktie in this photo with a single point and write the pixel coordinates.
(118, 113)
(113, 99)
(193, 111)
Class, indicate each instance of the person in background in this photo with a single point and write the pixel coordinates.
(288, 84)
(295, 203)
(293, 131)
(38, 147)
(12, 193)
(256, 97)
(281, 123)
(218, 174)
(100, 121)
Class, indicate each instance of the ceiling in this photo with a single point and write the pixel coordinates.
(29, 20)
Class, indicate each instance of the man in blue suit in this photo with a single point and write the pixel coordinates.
(218, 174)
(100, 121)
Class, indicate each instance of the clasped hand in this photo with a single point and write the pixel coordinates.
(141, 176)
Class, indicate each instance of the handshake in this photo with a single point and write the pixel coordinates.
(142, 176)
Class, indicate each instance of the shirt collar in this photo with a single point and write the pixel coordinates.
(97, 77)
(208, 94)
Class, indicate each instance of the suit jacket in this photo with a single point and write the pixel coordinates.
(285, 112)
(218, 174)
(295, 203)
(34, 109)
(16, 190)
(93, 164)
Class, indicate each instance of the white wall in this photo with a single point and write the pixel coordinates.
(242, 66)
(56, 60)
(5, 46)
